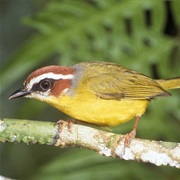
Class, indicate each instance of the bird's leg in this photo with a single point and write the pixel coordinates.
(132, 134)
(129, 136)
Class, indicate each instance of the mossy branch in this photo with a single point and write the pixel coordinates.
(105, 143)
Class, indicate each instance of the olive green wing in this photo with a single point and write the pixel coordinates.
(124, 84)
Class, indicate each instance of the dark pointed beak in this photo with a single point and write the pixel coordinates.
(19, 93)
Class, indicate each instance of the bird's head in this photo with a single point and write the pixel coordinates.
(47, 82)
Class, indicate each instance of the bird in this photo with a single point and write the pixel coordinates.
(99, 93)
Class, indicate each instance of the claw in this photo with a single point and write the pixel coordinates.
(127, 138)
(68, 123)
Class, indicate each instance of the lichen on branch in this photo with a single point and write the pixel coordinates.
(104, 143)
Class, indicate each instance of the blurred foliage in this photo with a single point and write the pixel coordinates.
(140, 34)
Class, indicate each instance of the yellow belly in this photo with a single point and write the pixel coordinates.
(98, 111)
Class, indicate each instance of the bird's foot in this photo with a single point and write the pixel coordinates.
(127, 139)
(68, 123)
(129, 136)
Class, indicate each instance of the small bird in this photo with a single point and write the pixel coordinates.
(100, 93)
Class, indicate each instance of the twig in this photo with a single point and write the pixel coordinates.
(105, 143)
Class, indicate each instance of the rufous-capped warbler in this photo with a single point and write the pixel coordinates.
(100, 93)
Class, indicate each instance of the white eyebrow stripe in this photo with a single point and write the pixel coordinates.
(48, 75)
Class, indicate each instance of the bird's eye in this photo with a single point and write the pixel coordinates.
(45, 85)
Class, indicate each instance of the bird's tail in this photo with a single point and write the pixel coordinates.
(167, 84)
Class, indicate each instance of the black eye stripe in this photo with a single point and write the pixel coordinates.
(43, 85)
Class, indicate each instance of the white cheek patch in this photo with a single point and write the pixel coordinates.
(39, 95)
(47, 75)
(65, 90)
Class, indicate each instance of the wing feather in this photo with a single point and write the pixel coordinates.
(115, 82)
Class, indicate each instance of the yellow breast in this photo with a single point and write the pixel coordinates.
(98, 111)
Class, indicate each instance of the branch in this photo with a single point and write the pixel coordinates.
(105, 143)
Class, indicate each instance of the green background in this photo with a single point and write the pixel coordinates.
(142, 35)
